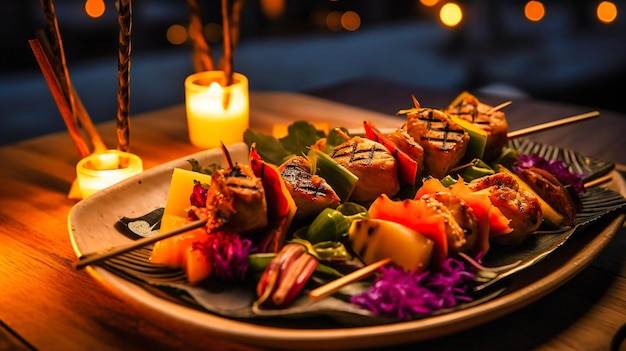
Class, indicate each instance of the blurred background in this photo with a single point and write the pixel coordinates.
(565, 51)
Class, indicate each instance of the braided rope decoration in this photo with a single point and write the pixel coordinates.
(123, 93)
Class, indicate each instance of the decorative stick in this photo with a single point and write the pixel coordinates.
(81, 112)
(228, 58)
(97, 257)
(234, 24)
(124, 20)
(59, 97)
(57, 53)
(553, 124)
(202, 59)
(335, 285)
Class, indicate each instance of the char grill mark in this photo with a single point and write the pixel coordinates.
(439, 131)
(302, 180)
(358, 152)
(236, 172)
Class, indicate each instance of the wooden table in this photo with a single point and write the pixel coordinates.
(54, 307)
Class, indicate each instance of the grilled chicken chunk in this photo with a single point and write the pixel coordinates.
(455, 234)
(520, 206)
(469, 108)
(373, 164)
(444, 142)
(409, 146)
(310, 192)
(552, 191)
(236, 200)
(465, 218)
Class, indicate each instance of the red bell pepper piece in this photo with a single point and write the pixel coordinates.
(407, 166)
(280, 204)
(480, 208)
(415, 215)
(498, 223)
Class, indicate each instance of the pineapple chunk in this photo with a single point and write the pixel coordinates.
(181, 188)
(375, 239)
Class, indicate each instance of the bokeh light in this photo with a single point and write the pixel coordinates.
(429, 3)
(451, 14)
(606, 12)
(273, 9)
(333, 20)
(534, 11)
(176, 34)
(350, 21)
(213, 32)
(95, 8)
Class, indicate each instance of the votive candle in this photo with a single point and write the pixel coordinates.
(216, 113)
(101, 170)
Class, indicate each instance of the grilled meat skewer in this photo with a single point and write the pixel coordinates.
(373, 164)
(444, 142)
(310, 192)
(469, 108)
(236, 200)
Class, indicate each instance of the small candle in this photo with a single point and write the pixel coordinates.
(216, 113)
(101, 170)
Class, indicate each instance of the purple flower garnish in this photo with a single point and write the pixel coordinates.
(228, 254)
(405, 294)
(198, 195)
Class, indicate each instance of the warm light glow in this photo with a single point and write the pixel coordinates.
(94, 8)
(451, 14)
(273, 9)
(176, 34)
(333, 21)
(534, 11)
(429, 3)
(213, 32)
(215, 113)
(606, 12)
(350, 20)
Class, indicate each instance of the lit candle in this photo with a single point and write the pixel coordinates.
(216, 113)
(101, 170)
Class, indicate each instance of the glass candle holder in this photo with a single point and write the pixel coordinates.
(101, 170)
(216, 113)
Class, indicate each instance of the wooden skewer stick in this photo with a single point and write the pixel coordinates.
(598, 181)
(499, 107)
(100, 256)
(550, 125)
(328, 289)
(226, 153)
(342, 133)
(415, 102)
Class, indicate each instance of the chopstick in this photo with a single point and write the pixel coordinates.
(332, 287)
(553, 124)
(100, 256)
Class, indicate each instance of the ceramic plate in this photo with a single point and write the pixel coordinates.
(92, 227)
